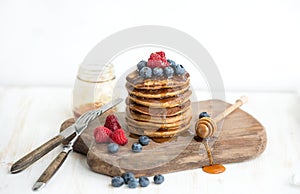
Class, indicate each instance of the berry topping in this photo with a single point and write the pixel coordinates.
(117, 181)
(141, 64)
(112, 123)
(127, 176)
(157, 59)
(203, 114)
(146, 72)
(112, 148)
(161, 54)
(172, 63)
(158, 179)
(102, 134)
(144, 140)
(169, 72)
(119, 137)
(155, 56)
(155, 63)
(144, 181)
(132, 183)
(136, 147)
(157, 71)
(179, 69)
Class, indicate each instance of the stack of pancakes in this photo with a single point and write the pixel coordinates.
(158, 106)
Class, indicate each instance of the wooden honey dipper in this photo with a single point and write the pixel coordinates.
(205, 127)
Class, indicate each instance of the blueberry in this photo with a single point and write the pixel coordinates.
(179, 69)
(132, 183)
(157, 71)
(172, 63)
(112, 148)
(158, 179)
(128, 176)
(141, 64)
(203, 114)
(144, 140)
(169, 71)
(146, 72)
(144, 181)
(136, 147)
(117, 181)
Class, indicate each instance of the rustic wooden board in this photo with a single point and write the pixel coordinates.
(239, 137)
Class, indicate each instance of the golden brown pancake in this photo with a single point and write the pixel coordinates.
(155, 126)
(158, 106)
(158, 82)
(157, 119)
(157, 93)
(158, 111)
(159, 133)
(162, 103)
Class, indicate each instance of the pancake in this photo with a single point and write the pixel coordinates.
(158, 106)
(157, 93)
(158, 111)
(159, 133)
(158, 82)
(162, 103)
(157, 119)
(155, 126)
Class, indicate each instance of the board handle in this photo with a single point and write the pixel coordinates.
(36, 154)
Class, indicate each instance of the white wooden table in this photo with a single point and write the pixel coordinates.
(30, 116)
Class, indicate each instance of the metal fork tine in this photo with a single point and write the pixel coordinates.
(84, 117)
(87, 118)
(92, 114)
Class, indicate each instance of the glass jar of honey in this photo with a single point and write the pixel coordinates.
(93, 87)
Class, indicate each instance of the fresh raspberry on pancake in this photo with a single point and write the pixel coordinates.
(157, 59)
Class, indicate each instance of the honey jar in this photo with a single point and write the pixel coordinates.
(93, 87)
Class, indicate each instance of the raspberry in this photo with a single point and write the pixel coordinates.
(102, 134)
(155, 56)
(161, 54)
(112, 123)
(158, 55)
(157, 63)
(119, 137)
(157, 59)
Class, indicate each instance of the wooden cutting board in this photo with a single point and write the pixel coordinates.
(239, 137)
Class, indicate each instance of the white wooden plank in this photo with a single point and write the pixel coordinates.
(30, 116)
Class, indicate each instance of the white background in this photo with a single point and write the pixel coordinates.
(255, 43)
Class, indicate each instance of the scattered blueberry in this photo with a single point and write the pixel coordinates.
(158, 179)
(112, 148)
(169, 71)
(146, 72)
(136, 147)
(131, 179)
(117, 181)
(132, 183)
(179, 69)
(172, 63)
(203, 114)
(144, 140)
(144, 181)
(128, 176)
(141, 64)
(157, 71)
